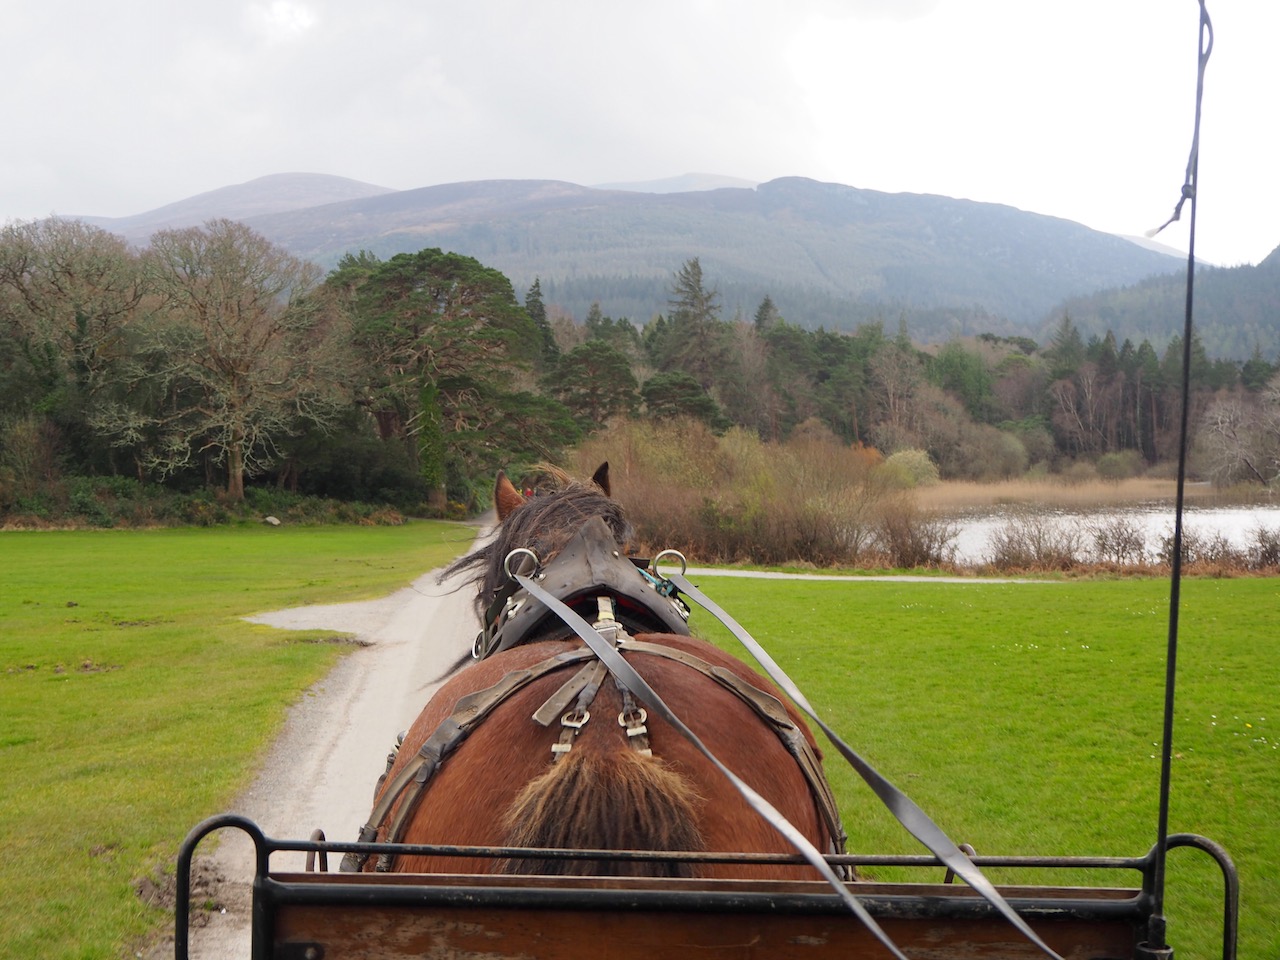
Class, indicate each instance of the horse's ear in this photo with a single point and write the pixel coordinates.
(601, 478)
(505, 496)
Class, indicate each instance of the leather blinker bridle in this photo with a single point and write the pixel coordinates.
(589, 566)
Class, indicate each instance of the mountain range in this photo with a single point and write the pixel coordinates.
(826, 254)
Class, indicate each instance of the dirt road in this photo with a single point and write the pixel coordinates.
(322, 769)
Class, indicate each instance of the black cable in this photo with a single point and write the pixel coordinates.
(1156, 931)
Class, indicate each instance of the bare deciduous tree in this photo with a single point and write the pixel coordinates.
(896, 378)
(1239, 437)
(241, 349)
(68, 293)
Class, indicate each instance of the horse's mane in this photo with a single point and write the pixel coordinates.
(544, 523)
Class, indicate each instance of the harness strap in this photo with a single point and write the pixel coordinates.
(625, 672)
(917, 822)
(572, 722)
(590, 676)
(632, 720)
(413, 777)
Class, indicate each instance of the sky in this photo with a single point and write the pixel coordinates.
(1082, 110)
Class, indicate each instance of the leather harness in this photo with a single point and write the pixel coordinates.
(616, 584)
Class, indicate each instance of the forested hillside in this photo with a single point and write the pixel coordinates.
(829, 255)
(215, 359)
(1237, 309)
(834, 255)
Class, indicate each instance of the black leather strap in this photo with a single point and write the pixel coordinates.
(770, 709)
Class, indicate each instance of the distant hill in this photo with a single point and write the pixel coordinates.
(271, 194)
(827, 254)
(1235, 309)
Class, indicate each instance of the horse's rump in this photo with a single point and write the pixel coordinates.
(594, 800)
(500, 786)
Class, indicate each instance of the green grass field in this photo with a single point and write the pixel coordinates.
(134, 700)
(1025, 719)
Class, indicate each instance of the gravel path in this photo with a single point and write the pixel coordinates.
(322, 769)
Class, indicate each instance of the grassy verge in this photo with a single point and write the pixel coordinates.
(1025, 718)
(134, 700)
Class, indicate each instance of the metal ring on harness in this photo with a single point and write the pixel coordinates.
(684, 564)
(519, 551)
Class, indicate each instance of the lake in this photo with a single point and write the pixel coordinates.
(1235, 525)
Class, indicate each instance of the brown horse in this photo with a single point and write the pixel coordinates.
(477, 767)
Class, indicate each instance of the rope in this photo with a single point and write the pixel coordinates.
(1157, 927)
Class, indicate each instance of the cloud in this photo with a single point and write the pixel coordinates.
(280, 20)
(1080, 110)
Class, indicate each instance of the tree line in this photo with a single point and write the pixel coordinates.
(213, 358)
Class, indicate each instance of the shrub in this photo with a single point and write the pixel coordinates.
(353, 465)
(915, 468)
(1036, 440)
(736, 498)
(1122, 465)
(1030, 542)
(1078, 472)
(1266, 545)
(1204, 549)
(910, 538)
(986, 454)
(83, 501)
(1119, 540)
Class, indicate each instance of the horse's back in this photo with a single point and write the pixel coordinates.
(469, 797)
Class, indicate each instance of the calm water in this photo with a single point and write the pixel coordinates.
(1234, 524)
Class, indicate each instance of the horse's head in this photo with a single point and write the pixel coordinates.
(545, 520)
(574, 532)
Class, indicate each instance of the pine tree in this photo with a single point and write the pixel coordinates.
(698, 343)
(766, 314)
(537, 311)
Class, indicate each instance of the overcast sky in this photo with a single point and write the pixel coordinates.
(1080, 109)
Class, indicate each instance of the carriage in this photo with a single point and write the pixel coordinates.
(552, 801)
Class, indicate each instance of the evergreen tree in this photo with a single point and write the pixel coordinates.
(537, 311)
(766, 315)
(1066, 350)
(668, 395)
(964, 374)
(699, 342)
(619, 334)
(691, 302)
(442, 336)
(1255, 372)
(594, 381)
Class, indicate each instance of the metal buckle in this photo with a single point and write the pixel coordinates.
(634, 721)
